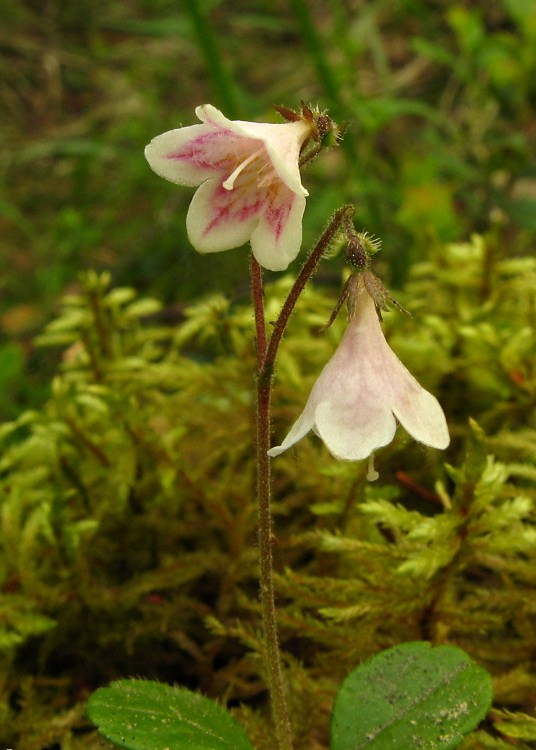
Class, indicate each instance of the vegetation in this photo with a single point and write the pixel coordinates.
(127, 528)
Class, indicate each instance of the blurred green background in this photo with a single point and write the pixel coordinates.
(440, 97)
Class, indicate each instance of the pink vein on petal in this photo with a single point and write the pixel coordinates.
(225, 212)
(196, 149)
(247, 211)
(276, 217)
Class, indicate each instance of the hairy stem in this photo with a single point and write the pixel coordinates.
(266, 355)
(337, 221)
(257, 294)
(271, 641)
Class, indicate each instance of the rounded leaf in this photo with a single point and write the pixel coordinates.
(145, 715)
(411, 695)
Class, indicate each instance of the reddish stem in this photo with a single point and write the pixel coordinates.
(337, 220)
(266, 355)
(257, 293)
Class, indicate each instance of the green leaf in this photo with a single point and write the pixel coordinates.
(411, 695)
(145, 715)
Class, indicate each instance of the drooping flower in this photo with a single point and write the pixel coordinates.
(249, 183)
(362, 392)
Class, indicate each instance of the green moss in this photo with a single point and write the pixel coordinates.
(128, 542)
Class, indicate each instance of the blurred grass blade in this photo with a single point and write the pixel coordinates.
(206, 41)
(323, 67)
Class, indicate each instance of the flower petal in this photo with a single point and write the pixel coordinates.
(212, 116)
(276, 241)
(353, 431)
(220, 219)
(190, 155)
(179, 155)
(420, 413)
(299, 429)
(283, 142)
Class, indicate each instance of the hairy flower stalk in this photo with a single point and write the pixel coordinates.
(266, 356)
(364, 390)
(249, 182)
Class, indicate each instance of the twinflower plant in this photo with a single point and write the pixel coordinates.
(250, 188)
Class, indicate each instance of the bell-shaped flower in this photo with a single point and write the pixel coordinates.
(249, 183)
(362, 392)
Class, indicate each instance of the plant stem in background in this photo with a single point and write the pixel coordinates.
(206, 40)
(326, 76)
(266, 355)
(315, 47)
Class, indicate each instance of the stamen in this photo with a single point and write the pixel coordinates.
(265, 174)
(229, 182)
(372, 474)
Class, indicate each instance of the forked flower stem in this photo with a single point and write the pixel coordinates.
(266, 356)
(326, 238)
(272, 654)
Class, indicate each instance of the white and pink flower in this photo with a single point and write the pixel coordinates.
(362, 392)
(249, 183)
